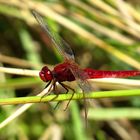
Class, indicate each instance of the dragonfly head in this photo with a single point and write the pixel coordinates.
(45, 74)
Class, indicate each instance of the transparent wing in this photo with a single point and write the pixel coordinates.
(81, 78)
(63, 48)
(67, 53)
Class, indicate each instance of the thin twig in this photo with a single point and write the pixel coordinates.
(17, 62)
(24, 72)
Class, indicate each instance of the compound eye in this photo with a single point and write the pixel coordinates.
(45, 74)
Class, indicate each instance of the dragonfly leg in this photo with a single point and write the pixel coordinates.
(47, 84)
(57, 103)
(48, 90)
(66, 87)
(73, 91)
(56, 93)
(67, 90)
(54, 89)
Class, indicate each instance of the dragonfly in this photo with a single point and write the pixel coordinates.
(69, 70)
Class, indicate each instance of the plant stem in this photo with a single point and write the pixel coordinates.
(77, 96)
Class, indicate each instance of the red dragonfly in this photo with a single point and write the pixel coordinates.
(69, 70)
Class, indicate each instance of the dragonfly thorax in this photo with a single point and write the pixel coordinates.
(46, 74)
(62, 73)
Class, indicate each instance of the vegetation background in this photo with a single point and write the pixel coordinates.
(104, 35)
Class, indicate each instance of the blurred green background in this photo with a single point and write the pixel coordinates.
(104, 35)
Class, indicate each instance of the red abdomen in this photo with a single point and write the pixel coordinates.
(110, 74)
